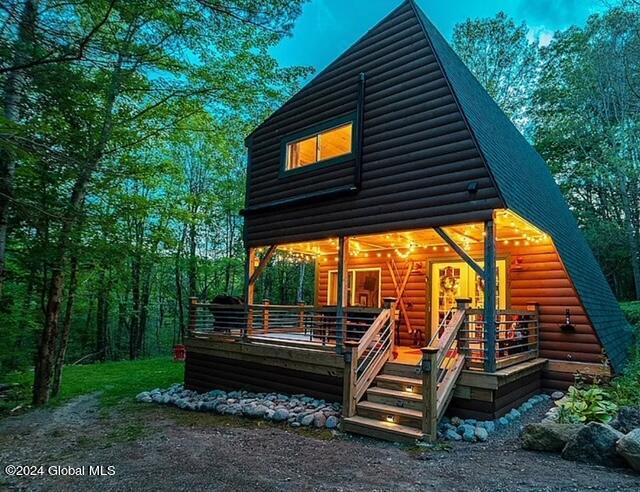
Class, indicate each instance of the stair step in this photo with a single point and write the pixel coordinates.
(380, 429)
(379, 411)
(395, 398)
(399, 369)
(399, 383)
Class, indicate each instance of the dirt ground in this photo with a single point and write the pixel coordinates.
(160, 448)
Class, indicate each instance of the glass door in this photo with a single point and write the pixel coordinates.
(454, 279)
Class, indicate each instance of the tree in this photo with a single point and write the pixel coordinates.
(588, 127)
(503, 59)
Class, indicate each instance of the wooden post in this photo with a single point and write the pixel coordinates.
(390, 304)
(430, 391)
(350, 355)
(265, 316)
(193, 314)
(249, 290)
(343, 292)
(490, 295)
(462, 304)
(301, 318)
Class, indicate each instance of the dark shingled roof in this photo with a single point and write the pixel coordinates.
(528, 188)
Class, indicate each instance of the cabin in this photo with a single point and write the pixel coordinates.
(450, 274)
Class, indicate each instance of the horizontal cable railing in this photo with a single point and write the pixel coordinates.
(517, 335)
(301, 324)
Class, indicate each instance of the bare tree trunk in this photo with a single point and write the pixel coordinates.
(11, 109)
(179, 300)
(102, 318)
(66, 328)
(193, 260)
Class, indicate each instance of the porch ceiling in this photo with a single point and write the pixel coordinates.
(510, 228)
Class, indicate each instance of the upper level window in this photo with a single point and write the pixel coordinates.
(328, 144)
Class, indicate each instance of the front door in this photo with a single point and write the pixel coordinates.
(454, 279)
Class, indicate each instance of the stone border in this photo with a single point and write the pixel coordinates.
(295, 410)
(472, 430)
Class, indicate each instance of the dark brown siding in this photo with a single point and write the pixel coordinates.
(204, 372)
(418, 156)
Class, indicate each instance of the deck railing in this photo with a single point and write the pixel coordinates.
(365, 357)
(300, 325)
(516, 338)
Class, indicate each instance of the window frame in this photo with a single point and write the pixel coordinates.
(352, 272)
(315, 131)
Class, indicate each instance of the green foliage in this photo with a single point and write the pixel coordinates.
(592, 404)
(632, 312)
(116, 382)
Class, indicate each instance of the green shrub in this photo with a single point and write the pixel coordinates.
(632, 312)
(587, 405)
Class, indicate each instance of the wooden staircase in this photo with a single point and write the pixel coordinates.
(393, 407)
(404, 402)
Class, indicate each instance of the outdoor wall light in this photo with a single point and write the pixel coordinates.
(391, 418)
(567, 327)
(409, 389)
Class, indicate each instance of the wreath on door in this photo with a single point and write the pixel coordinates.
(449, 283)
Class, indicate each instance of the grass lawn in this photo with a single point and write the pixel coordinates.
(117, 381)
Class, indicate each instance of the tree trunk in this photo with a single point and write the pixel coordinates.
(193, 260)
(102, 319)
(43, 374)
(66, 328)
(11, 109)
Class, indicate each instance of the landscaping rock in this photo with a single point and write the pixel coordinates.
(548, 436)
(556, 395)
(319, 420)
(628, 419)
(280, 415)
(469, 434)
(456, 421)
(629, 448)
(451, 435)
(144, 397)
(502, 421)
(481, 434)
(595, 443)
(332, 422)
(307, 420)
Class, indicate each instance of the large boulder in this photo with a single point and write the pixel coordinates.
(629, 448)
(595, 443)
(628, 419)
(548, 436)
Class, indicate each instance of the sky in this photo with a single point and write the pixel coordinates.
(326, 28)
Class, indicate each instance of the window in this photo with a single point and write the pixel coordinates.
(326, 145)
(366, 292)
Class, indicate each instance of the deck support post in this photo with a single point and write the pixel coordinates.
(343, 292)
(462, 304)
(249, 290)
(490, 295)
(350, 355)
(430, 392)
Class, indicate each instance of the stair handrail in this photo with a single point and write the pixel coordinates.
(364, 358)
(440, 372)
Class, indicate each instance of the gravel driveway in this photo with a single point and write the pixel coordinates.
(161, 448)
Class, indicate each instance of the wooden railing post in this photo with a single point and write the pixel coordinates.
(390, 304)
(430, 391)
(350, 355)
(301, 316)
(265, 316)
(193, 314)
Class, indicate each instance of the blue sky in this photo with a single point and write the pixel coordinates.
(328, 27)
